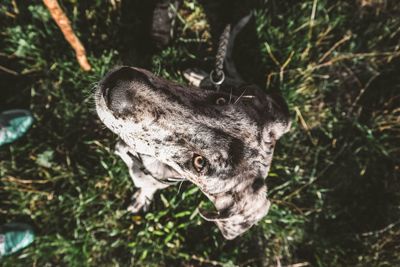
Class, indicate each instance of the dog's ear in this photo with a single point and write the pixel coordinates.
(273, 114)
(270, 109)
(240, 208)
(279, 113)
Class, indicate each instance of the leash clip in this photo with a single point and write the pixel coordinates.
(217, 82)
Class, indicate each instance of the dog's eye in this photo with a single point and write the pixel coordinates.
(220, 101)
(199, 163)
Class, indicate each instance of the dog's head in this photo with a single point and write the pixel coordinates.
(221, 141)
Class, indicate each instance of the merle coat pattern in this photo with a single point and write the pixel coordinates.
(221, 141)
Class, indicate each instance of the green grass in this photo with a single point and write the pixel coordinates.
(334, 182)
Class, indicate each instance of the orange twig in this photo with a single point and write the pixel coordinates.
(65, 26)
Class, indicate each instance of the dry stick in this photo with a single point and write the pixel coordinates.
(16, 180)
(336, 45)
(9, 71)
(65, 26)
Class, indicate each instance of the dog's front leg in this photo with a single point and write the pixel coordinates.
(147, 185)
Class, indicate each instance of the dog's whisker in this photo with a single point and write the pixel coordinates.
(244, 91)
(248, 96)
(180, 186)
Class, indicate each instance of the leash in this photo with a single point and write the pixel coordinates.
(224, 54)
(217, 76)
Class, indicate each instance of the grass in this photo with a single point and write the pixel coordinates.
(334, 182)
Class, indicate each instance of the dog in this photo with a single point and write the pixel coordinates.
(220, 140)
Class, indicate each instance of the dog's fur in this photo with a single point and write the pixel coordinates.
(163, 126)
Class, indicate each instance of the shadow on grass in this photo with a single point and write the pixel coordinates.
(363, 183)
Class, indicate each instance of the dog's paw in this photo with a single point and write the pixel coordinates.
(141, 202)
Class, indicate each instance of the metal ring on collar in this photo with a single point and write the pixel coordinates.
(219, 82)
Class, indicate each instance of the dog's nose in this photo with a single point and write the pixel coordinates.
(117, 89)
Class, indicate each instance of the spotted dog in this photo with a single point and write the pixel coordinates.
(221, 141)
